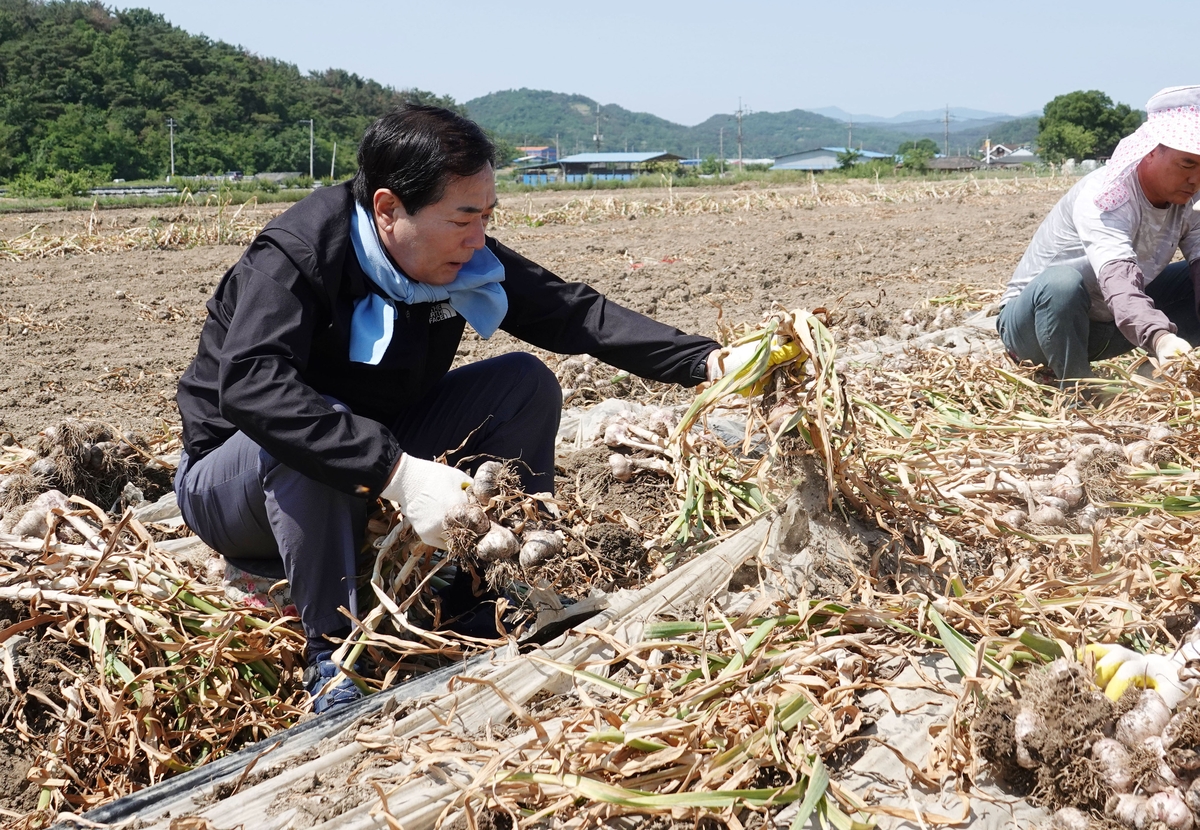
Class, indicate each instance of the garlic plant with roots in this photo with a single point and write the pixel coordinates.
(1138, 728)
(584, 373)
(497, 527)
(643, 436)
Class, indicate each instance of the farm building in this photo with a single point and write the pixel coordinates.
(954, 163)
(822, 158)
(600, 166)
(537, 154)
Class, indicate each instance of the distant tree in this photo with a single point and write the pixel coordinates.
(710, 166)
(506, 151)
(88, 89)
(927, 145)
(420, 96)
(915, 155)
(668, 170)
(1083, 125)
(848, 158)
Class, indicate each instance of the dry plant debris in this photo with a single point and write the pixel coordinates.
(1019, 526)
(155, 673)
(216, 221)
(603, 208)
(726, 719)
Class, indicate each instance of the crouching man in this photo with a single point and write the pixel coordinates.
(322, 380)
(1096, 281)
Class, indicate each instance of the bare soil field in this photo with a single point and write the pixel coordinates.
(106, 335)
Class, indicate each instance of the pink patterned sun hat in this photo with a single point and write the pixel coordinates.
(1173, 120)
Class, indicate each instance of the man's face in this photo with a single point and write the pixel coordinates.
(433, 245)
(1169, 176)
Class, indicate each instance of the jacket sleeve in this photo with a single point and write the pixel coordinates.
(574, 318)
(261, 378)
(1124, 288)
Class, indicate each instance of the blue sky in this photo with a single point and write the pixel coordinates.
(687, 61)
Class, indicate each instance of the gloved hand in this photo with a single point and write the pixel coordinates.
(727, 361)
(732, 359)
(1117, 668)
(425, 490)
(1169, 346)
(1109, 658)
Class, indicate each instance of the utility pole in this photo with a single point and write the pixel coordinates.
(946, 121)
(721, 139)
(739, 114)
(850, 134)
(171, 126)
(333, 161)
(309, 122)
(556, 146)
(597, 137)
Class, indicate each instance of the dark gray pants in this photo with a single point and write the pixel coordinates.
(271, 520)
(1048, 323)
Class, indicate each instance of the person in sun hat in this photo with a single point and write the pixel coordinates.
(1096, 280)
(323, 378)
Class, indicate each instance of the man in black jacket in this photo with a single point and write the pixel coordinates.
(322, 379)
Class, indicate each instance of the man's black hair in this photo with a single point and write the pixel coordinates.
(415, 151)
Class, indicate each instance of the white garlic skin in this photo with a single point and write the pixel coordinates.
(497, 544)
(539, 547)
(1146, 719)
(1047, 515)
(1026, 723)
(1114, 760)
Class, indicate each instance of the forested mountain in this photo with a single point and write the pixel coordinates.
(83, 87)
(526, 116)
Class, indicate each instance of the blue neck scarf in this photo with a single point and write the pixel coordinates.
(475, 293)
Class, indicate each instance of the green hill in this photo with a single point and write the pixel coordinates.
(526, 116)
(84, 87)
(533, 116)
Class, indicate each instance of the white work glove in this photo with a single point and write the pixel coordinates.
(727, 361)
(731, 360)
(1169, 346)
(425, 490)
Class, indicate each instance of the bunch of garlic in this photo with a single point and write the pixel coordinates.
(472, 529)
(1151, 762)
(1054, 500)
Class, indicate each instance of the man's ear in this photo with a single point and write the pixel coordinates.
(386, 203)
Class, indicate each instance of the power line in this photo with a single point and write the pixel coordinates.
(597, 137)
(740, 114)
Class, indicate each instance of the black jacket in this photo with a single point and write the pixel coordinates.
(277, 339)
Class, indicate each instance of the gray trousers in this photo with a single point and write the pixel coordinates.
(270, 520)
(1048, 323)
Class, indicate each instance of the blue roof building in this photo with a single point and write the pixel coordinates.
(600, 166)
(823, 158)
